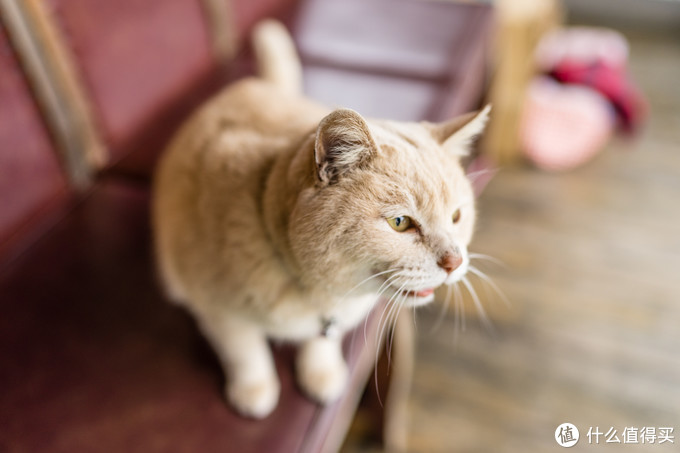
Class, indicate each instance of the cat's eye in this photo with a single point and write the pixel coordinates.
(401, 223)
(456, 216)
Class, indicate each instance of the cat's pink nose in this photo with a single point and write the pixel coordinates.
(450, 262)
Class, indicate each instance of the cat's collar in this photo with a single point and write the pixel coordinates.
(330, 327)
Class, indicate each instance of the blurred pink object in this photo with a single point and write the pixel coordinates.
(584, 44)
(597, 58)
(563, 126)
(570, 115)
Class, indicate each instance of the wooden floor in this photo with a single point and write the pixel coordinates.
(593, 274)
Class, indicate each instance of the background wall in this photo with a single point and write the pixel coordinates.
(629, 13)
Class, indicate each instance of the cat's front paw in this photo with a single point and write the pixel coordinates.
(254, 398)
(323, 382)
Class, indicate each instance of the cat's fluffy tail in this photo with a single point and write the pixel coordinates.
(277, 59)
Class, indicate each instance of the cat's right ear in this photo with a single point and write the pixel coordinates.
(457, 134)
(343, 142)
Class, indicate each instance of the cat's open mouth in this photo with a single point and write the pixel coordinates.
(420, 293)
(415, 298)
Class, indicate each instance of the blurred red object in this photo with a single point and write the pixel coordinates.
(612, 82)
(597, 58)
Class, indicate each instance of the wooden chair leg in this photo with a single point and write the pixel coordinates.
(395, 422)
(382, 418)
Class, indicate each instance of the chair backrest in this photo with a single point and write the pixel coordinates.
(31, 179)
(90, 87)
(403, 59)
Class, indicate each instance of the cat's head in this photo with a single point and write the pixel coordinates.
(388, 197)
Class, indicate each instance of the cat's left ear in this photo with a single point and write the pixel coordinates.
(456, 135)
(343, 142)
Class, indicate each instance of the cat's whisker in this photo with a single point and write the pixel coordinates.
(387, 285)
(384, 333)
(491, 284)
(393, 322)
(459, 313)
(473, 176)
(388, 282)
(442, 312)
(394, 304)
(478, 305)
(380, 330)
(366, 280)
(387, 310)
(383, 327)
(384, 287)
(401, 302)
(483, 257)
(393, 315)
(380, 291)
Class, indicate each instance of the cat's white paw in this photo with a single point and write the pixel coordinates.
(254, 398)
(323, 383)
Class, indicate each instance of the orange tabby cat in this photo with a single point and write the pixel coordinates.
(277, 218)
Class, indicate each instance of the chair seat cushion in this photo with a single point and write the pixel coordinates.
(93, 358)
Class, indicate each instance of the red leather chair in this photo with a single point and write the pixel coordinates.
(92, 358)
